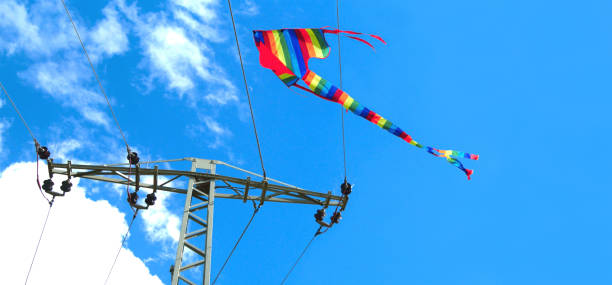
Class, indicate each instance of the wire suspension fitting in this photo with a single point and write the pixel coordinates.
(346, 189)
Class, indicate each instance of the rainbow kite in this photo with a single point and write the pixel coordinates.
(287, 51)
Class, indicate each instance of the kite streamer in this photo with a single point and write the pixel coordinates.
(286, 52)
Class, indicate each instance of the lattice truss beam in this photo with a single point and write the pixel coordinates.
(202, 187)
(228, 187)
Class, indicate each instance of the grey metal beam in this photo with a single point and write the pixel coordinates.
(200, 193)
(166, 172)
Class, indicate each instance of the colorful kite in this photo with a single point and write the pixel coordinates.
(286, 52)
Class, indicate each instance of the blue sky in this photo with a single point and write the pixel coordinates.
(521, 83)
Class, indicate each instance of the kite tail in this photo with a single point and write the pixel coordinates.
(355, 36)
(322, 88)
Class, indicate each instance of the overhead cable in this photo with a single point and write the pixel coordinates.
(36, 144)
(340, 72)
(246, 87)
(97, 78)
(121, 247)
(301, 255)
(39, 239)
(237, 242)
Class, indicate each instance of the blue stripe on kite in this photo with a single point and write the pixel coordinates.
(331, 92)
(358, 109)
(326, 87)
(258, 37)
(398, 131)
(295, 51)
(392, 128)
(365, 112)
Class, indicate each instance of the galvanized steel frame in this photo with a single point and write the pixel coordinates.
(200, 192)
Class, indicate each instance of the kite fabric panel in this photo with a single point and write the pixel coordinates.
(286, 52)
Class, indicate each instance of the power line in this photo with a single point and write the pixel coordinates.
(301, 255)
(39, 239)
(246, 87)
(96, 75)
(121, 247)
(236, 245)
(340, 72)
(36, 144)
(18, 113)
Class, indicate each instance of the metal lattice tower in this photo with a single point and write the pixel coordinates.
(204, 185)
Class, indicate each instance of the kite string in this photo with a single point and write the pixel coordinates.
(246, 87)
(340, 72)
(97, 78)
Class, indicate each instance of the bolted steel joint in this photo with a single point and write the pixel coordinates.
(43, 152)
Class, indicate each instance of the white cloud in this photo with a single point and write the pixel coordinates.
(109, 36)
(67, 83)
(160, 224)
(41, 31)
(204, 9)
(18, 31)
(248, 8)
(63, 151)
(80, 241)
(215, 127)
(177, 52)
(38, 28)
(207, 126)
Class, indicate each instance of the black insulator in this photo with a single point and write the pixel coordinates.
(66, 185)
(150, 200)
(336, 218)
(346, 188)
(132, 198)
(320, 215)
(48, 185)
(43, 152)
(132, 157)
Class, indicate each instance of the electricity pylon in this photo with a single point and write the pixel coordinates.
(204, 185)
